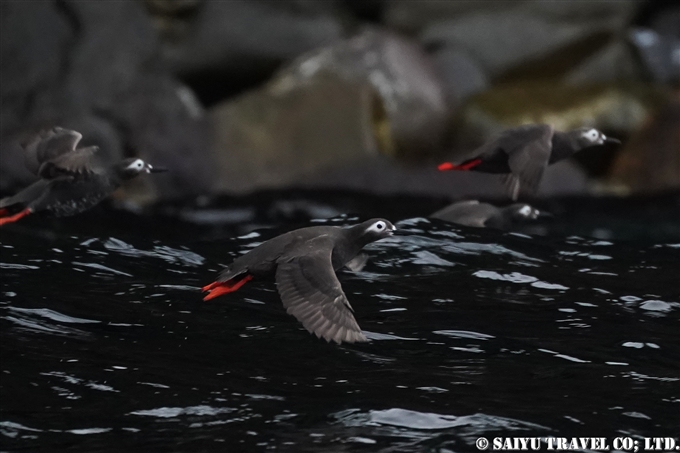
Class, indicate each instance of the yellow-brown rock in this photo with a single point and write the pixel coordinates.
(617, 109)
(650, 161)
(273, 138)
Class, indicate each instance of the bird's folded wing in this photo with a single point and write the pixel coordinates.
(49, 144)
(311, 292)
(79, 164)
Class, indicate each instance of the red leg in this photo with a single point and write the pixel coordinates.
(446, 166)
(15, 217)
(218, 288)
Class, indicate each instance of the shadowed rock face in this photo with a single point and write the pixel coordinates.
(650, 161)
(224, 47)
(92, 67)
(503, 35)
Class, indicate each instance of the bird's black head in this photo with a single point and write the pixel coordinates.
(587, 136)
(523, 212)
(132, 167)
(374, 229)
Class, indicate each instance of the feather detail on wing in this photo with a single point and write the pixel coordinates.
(527, 161)
(49, 144)
(311, 292)
(78, 163)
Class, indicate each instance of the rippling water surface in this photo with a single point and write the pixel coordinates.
(106, 343)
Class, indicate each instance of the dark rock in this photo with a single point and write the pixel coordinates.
(35, 38)
(517, 36)
(368, 10)
(233, 45)
(461, 75)
(610, 63)
(172, 8)
(164, 124)
(13, 172)
(663, 18)
(656, 37)
(659, 53)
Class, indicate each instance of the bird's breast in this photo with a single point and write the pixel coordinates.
(75, 205)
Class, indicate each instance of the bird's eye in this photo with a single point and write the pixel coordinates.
(380, 225)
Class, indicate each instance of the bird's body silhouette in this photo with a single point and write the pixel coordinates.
(72, 180)
(523, 153)
(484, 215)
(303, 264)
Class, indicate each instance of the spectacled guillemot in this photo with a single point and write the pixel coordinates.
(484, 215)
(524, 152)
(303, 263)
(71, 179)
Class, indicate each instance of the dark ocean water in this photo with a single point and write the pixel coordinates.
(107, 346)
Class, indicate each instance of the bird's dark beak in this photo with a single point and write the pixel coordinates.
(392, 231)
(545, 215)
(151, 169)
(612, 141)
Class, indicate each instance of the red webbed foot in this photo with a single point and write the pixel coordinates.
(448, 166)
(11, 219)
(217, 289)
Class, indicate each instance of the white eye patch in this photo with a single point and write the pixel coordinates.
(525, 210)
(137, 164)
(591, 135)
(377, 227)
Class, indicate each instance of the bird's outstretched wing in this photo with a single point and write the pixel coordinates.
(49, 144)
(527, 161)
(80, 163)
(311, 292)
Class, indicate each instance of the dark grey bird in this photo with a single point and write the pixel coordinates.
(72, 180)
(524, 152)
(484, 215)
(303, 263)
